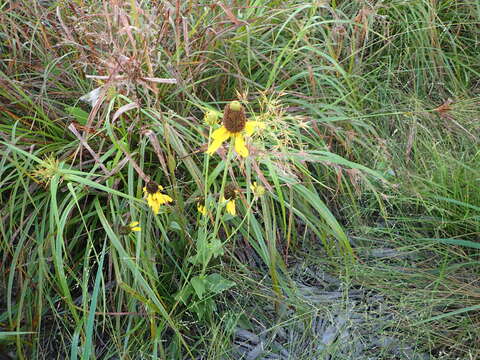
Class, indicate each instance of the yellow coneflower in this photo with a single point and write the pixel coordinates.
(133, 226)
(154, 196)
(258, 190)
(235, 125)
(229, 196)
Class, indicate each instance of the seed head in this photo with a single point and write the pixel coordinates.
(152, 187)
(234, 118)
(124, 230)
(230, 192)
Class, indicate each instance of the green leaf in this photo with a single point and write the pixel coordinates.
(215, 247)
(23, 152)
(79, 114)
(201, 308)
(175, 226)
(184, 294)
(95, 185)
(206, 250)
(198, 284)
(216, 283)
(456, 202)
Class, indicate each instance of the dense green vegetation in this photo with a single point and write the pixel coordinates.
(364, 165)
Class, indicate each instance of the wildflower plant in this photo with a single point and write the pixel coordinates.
(235, 126)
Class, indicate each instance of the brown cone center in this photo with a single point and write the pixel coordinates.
(152, 187)
(230, 192)
(234, 120)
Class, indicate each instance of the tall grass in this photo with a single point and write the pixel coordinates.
(356, 146)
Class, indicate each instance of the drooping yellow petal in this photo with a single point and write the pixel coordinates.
(221, 134)
(162, 198)
(151, 200)
(136, 228)
(154, 205)
(133, 224)
(218, 136)
(214, 146)
(240, 147)
(231, 207)
(251, 126)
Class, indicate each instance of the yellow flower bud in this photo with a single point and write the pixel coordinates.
(258, 190)
(211, 117)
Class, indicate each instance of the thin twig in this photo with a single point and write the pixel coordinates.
(73, 129)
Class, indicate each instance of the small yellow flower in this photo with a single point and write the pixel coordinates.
(230, 194)
(258, 190)
(202, 209)
(133, 226)
(154, 196)
(235, 125)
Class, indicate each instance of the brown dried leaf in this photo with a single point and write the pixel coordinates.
(444, 108)
(123, 109)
